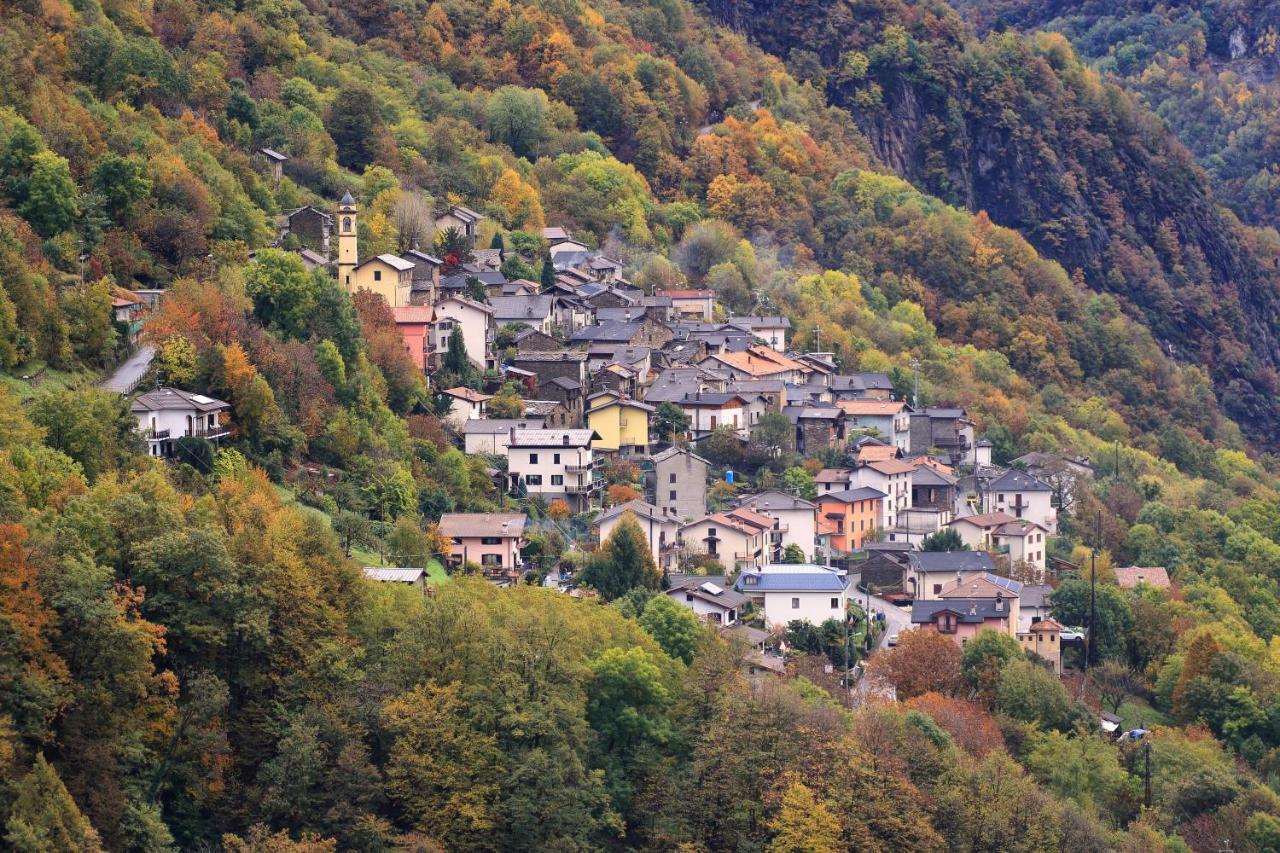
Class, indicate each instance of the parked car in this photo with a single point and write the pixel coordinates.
(892, 641)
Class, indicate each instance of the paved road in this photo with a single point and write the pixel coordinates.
(129, 374)
(896, 619)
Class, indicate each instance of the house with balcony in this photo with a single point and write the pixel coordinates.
(555, 465)
(795, 522)
(493, 435)
(802, 592)
(893, 477)
(491, 540)
(713, 599)
(621, 422)
(695, 304)
(661, 529)
(846, 518)
(415, 324)
(736, 538)
(168, 414)
(1022, 496)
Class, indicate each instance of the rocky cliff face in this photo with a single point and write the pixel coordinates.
(1018, 127)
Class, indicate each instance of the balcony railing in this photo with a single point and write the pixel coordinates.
(211, 432)
(579, 469)
(580, 488)
(157, 434)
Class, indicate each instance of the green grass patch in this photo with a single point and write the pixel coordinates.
(1136, 712)
(41, 377)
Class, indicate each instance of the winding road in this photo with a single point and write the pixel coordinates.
(127, 376)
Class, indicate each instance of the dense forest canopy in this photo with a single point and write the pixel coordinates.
(189, 655)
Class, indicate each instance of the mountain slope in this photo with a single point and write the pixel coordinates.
(1018, 127)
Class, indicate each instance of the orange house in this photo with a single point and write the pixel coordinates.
(848, 517)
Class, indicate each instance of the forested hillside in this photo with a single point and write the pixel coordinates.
(189, 656)
(1016, 126)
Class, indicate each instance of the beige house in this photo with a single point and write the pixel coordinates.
(462, 218)
(490, 539)
(1044, 638)
(737, 538)
(660, 528)
(467, 405)
(554, 464)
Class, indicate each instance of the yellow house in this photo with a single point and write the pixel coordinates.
(622, 423)
(387, 275)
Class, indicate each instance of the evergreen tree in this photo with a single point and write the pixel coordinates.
(548, 276)
(45, 819)
(625, 562)
(944, 540)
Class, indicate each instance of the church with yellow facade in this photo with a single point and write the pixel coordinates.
(387, 275)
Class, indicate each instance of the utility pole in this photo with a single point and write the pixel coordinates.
(1146, 748)
(915, 383)
(817, 339)
(1090, 641)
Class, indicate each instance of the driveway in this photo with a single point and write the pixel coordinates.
(128, 375)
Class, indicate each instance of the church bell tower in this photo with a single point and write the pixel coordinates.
(347, 255)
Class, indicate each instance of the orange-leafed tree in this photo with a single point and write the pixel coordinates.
(967, 722)
(924, 661)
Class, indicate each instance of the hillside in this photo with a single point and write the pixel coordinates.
(190, 655)
(1017, 127)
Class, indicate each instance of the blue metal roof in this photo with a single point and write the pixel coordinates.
(820, 581)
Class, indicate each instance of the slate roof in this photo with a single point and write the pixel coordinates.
(861, 382)
(173, 399)
(611, 331)
(499, 426)
(676, 451)
(952, 561)
(968, 611)
(560, 355)
(713, 593)
(515, 308)
(1017, 481)
(643, 509)
(392, 261)
(851, 495)
(417, 256)
(564, 382)
(774, 500)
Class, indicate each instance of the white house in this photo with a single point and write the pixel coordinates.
(1023, 541)
(466, 404)
(168, 414)
(476, 321)
(1022, 496)
(493, 435)
(804, 591)
(795, 521)
(661, 529)
(711, 598)
(891, 476)
(709, 410)
(930, 572)
(554, 464)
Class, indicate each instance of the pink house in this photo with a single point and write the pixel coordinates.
(414, 324)
(490, 539)
(962, 619)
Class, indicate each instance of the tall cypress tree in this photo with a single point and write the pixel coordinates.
(45, 818)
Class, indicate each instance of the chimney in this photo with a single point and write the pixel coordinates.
(973, 608)
(566, 439)
(999, 602)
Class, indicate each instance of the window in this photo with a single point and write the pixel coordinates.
(688, 596)
(533, 480)
(490, 540)
(377, 275)
(714, 421)
(711, 532)
(835, 604)
(795, 604)
(555, 458)
(673, 477)
(557, 479)
(346, 223)
(937, 589)
(533, 459)
(673, 494)
(1000, 498)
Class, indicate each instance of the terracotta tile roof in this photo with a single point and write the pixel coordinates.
(871, 407)
(414, 314)
(472, 524)
(986, 519)
(891, 467)
(877, 453)
(832, 475)
(468, 394)
(1130, 576)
